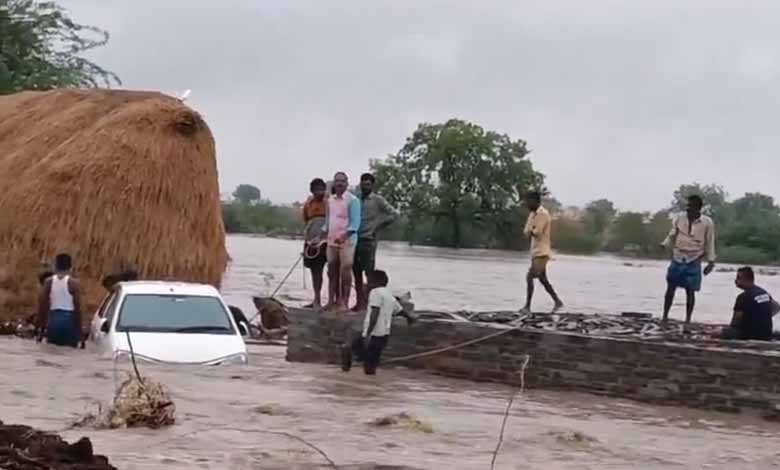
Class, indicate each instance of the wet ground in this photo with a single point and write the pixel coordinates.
(222, 412)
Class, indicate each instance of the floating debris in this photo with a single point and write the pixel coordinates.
(403, 420)
(136, 404)
(272, 409)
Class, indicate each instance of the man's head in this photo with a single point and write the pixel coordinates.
(63, 263)
(533, 199)
(377, 278)
(367, 181)
(695, 205)
(318, 188)
(746, 278)
(340, 183)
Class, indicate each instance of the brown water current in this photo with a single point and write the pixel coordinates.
(221, 409)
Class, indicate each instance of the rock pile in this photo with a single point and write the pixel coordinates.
(24, 448)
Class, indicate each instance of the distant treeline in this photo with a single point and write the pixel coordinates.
(748, 228)
(460, 185)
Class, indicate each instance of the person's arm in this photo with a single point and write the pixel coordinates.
(736, 319)
(327, 219)
(391, 214)
(541, 221)
(75, 290)
(355, 217)
(305, 213)
(528, 225)
(372, 321)
(43, 308)
(671, 236)
(709, 249)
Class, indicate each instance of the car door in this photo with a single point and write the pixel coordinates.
(104, 316)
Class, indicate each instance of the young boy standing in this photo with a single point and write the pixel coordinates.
(382, 307)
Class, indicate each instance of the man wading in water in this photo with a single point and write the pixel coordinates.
(314, 250)
(376, 214)
(692, 238)
(59, 306)
(342, 223)
(538, 228)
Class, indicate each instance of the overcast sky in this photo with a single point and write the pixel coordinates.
(615, 99)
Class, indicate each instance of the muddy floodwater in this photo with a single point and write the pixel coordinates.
(221, 410)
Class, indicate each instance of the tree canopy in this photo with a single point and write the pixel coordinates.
(459, 174)
(247, 194)
(42, 48)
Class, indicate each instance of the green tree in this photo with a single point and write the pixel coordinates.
(41, 48)
(247, 194)
(629, 233)
(456, 173)
(598, 216)
(753, 235)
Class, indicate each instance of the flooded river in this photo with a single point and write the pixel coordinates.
(220, 410)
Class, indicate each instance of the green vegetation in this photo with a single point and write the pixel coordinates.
(459, 184)
(247, 212)
(41, 48)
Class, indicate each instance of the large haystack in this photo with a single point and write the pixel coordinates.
(112, 177)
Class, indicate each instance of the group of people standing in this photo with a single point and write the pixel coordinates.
(341, 233)
(692, 242)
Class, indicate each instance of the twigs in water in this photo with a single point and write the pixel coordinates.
(288, 435)
(508, 409)
(132, 358)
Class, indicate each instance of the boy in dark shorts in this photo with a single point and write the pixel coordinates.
(382, 307)
(315, 254)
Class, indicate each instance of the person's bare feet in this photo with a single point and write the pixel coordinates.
(557, 307)
(525, 311)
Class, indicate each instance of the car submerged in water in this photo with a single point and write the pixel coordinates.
(168, 322)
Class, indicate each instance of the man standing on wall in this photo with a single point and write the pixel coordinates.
(314, 250)
(538, 228)
(692, 239)
(342, 223)
(376, 214)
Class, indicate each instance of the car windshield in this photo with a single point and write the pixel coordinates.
(174, 314)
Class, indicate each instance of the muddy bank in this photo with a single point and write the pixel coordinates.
(25, 448)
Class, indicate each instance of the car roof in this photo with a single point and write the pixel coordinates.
(168, 288)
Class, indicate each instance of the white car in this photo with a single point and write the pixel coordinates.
(168, 322)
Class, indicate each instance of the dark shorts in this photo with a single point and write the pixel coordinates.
(315, 257)
(538, 266)
(371, 353)
(685, 275)
(365, 256)
(62, 329)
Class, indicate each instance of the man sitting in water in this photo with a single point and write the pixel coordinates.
(753, 310)
(59, 306)
(382, 307)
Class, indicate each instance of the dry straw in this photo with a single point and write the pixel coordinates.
(114, 178)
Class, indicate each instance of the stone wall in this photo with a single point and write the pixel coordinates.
(718, 377)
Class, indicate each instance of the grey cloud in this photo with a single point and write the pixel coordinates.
(620, 99)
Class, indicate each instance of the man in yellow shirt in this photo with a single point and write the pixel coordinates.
(538, 228)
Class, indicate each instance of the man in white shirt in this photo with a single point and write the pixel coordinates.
(692, 239)
(382, 307)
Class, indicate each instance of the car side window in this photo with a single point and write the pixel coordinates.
(110, 310)
(103, 304)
